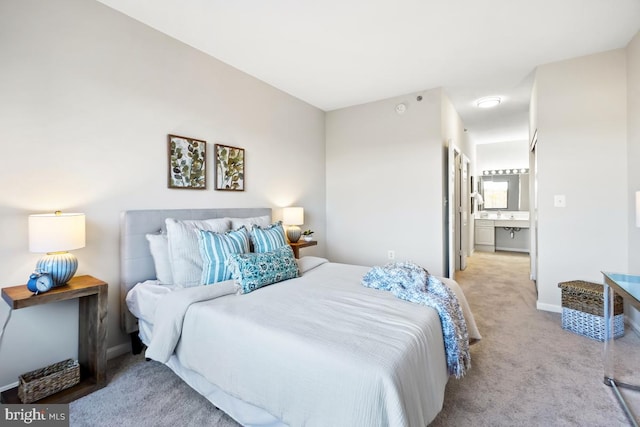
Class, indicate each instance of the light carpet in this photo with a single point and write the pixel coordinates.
(526, 371)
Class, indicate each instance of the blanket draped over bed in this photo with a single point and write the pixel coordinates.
(411, 282)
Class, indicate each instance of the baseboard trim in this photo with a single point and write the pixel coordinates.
(118, 350)
(633, 325)
(9, 386)
(549, 307)
(504, 248)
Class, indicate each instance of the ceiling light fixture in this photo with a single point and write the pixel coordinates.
(488, 102)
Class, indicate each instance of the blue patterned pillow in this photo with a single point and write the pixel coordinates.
(255, 270)
(268, 239)
(215, 248)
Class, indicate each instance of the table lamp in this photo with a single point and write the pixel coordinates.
(293, 217)
(56, 234)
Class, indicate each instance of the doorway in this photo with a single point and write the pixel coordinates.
(457, 210)
(462, 211)
(505, 174)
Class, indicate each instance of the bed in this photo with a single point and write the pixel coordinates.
(316, 350)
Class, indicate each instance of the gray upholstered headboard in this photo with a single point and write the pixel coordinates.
(136, 264)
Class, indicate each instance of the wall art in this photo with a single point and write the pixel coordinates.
(187, 163)
(229, 168)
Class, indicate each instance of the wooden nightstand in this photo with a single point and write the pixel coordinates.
(301, 244)
(92, 333)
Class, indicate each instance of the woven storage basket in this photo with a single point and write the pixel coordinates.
(583, 310)
(38, 384)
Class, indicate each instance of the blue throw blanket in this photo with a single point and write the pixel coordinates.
(413, 283)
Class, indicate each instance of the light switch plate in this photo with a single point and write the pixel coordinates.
(559, 201)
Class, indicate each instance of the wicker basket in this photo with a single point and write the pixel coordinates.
(38, 384)
(583, 310)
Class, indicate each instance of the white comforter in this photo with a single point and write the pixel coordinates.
(319, 350)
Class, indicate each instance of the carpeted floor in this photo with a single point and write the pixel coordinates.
(526, 371)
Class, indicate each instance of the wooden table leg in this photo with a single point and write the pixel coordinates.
(92, 346)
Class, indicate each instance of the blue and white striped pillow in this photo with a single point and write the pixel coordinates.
(268, 239)
(215, 248)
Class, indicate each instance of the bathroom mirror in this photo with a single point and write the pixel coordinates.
(504, 191)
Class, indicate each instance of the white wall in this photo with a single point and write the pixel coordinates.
(88, 98)
(385, 175)
(502, 155)
(633, 157)
(582, 149)
(384, 182)
(453, 129)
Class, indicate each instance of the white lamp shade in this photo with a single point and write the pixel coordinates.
(56, 232)
(293, 216)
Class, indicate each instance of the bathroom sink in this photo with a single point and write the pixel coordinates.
(506, 219)
(511, 215)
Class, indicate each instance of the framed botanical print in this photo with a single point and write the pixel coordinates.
(187, 163)
(229, 168)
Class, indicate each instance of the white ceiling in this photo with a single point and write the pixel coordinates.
(338, 53)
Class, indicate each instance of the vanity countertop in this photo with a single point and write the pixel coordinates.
(503, 215)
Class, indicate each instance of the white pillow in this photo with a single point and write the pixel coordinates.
(184, 253)
(261, 221)
(159, 247)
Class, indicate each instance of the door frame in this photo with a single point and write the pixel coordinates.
(450, 210)
(533, 207)
(456, 205)
(463, 213)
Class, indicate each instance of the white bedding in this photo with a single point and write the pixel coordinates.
(143, 299)
(318, 350)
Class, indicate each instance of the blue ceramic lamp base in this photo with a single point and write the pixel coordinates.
(61, 265)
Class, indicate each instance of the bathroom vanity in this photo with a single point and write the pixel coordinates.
(503, 225)
(503, 231)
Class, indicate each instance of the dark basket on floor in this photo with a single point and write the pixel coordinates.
(43, 382)
(583, 309)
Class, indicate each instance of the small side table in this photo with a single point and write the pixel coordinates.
(629, 287)
(92, 332)
(301, 244)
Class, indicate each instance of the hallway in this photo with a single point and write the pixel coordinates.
(527, 370)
